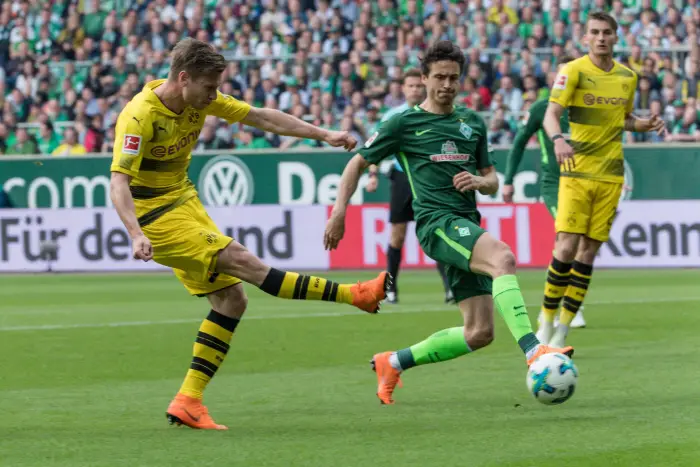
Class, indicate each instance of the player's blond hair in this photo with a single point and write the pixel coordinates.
(197, 58)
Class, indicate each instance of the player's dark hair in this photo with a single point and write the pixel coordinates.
(442, 51)
(602, 16)
(197, 58)
(564, 59)
(412, 73)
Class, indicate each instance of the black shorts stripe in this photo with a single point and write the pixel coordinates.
(304, 287)
(297, 287)
(326, 291)
(212, 342)
(204, 366)
(334, 292)
(225, 322)
(154, 214)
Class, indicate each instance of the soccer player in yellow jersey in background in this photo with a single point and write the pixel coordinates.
(163, 215)
(599, 95)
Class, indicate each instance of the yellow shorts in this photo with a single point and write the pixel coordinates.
(187, 240)
(587, 207)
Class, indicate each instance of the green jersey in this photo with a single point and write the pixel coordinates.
(432, 149)
(535, 124)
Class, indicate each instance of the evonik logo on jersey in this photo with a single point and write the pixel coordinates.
(185, 141)
(226, 181)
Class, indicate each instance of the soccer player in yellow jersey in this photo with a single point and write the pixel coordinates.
(599, 95)
(161, 211)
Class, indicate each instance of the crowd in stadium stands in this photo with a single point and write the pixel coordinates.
(67, 67)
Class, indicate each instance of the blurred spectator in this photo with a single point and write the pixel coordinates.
(70, 145)
(78, 62)
(23, 145)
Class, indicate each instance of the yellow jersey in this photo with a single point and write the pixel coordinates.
(154, 146)
(598, 102)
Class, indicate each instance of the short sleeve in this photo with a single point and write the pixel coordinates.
(384, 142)
(564, 85)
(131, 134)
(633, 90)
(484, 150)
(227, 107)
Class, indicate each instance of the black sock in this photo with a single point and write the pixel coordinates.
(443, 275)
(393, 257)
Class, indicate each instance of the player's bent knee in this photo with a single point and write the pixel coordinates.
(503, 260)
(566, 247)
(479, 336)
(236, 260)
(231, 301)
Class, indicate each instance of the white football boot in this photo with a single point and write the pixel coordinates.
(578, 321)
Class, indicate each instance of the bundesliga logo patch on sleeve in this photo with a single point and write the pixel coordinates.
(132, 144)
(371, 139)
(560, 82)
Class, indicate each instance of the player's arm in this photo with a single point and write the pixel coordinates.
(532, 125)
(129, 140)
(278, 122)
(563, 90)
(385, 142)
(487, 180)
(274, 121)
(638, 124)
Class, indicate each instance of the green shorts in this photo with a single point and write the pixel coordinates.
(450, 240)
(549, 190)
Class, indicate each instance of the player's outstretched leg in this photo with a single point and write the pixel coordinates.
(494, 258)
(210, 349)
(444, 345)
(581, 272)
(235, 260)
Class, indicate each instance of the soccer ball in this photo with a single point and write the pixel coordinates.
(552, 378)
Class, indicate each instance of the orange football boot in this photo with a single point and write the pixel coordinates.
(545, 349)
(387, 377)
(188, 411)
(367, 295)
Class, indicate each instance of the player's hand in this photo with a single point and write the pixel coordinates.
(340, 138)
(564, 152)
(335, 229)
(142, 248)
(655, 123)
(507, 192)
(372, 184)
(466, 181)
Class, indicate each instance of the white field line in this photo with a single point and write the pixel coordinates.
(386, 310)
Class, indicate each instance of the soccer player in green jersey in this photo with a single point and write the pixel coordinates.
(444, 152)
(549, 175)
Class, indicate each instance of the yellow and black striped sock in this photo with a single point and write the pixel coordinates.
(554, 288)
(299, 287)
(210, 349)
(578, 286)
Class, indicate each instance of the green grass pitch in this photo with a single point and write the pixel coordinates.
(88, 365)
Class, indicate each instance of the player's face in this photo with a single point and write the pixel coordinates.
(600, 37)
(442, 82)
(414, 90)
(201, 91)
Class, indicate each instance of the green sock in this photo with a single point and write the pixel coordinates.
(441, 346)
(511, 305)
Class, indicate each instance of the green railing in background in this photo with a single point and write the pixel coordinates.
(273, 177)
